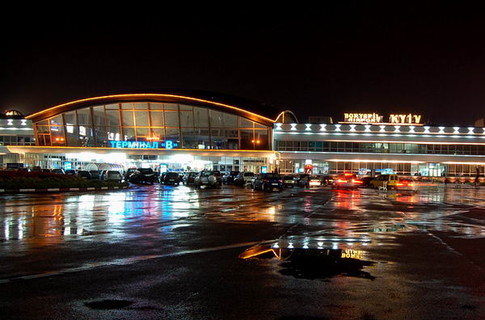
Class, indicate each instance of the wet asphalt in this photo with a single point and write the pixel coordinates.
(174, 252)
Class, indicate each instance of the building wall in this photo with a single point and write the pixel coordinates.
(408, 150)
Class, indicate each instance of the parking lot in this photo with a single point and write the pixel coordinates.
(168, 251)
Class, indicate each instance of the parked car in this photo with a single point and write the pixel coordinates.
(406, 184)
(327, 180)
(129, 172)
(112, 175)
(94, 174)
(143, 175)
(58, 171)
(229, 177)
(243, 178)
(385, 181)
(268, 182)
(302, 179)
(172, 178)
(347, 181)
(289, 182)
(84, 174)
(70, 172)
(189, 178)
(366, 181)
(314, 181)
(208, 179)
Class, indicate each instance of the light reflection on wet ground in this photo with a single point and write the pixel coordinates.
(355, 237)
(53, 218)
(312, 219)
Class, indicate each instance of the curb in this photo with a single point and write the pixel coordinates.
(60, 190)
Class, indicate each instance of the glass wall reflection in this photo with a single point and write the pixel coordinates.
(191, 127)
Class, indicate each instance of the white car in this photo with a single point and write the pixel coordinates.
(112, 175)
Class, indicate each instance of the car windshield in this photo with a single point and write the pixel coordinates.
(172, 174)
(248, 174)
(148, 170)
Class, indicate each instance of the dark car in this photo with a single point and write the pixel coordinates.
(143, 175)
(268, 182)
(302, 180)
(189, 178)
(129, 172)
(84, 174)
(289, 181)
(229, 177)
(94, 174)
(172, 178)
(366, 181)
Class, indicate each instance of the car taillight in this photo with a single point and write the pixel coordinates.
(341, 181)
(356, 181)
(265, 180)
(280, 181)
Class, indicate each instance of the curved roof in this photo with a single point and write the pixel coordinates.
(257, 112)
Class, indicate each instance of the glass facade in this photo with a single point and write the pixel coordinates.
(189, 127)
(378, 147)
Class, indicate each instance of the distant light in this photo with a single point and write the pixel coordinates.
(10, 122)
(383, 129)
(442, 129)
(411, 129)
(308, 126)
(278, 126)
(470, 130)
(367, 128)
(426, 129)
(337, 127)
(293, 126)
(322, 127)
(396, 128)
(456, 129)
(352, 127)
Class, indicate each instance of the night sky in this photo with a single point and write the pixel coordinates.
(426, 58)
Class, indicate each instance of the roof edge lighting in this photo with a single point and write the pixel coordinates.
(52, 111)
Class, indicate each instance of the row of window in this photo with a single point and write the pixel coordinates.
(166, 115)
(188, 126)
(16, 141)
(370, 168)
(366, 147)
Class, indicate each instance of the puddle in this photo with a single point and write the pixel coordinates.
(313, 263)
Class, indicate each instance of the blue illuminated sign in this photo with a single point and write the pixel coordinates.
(167, 144)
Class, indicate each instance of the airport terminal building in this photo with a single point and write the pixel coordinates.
(183, 132)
